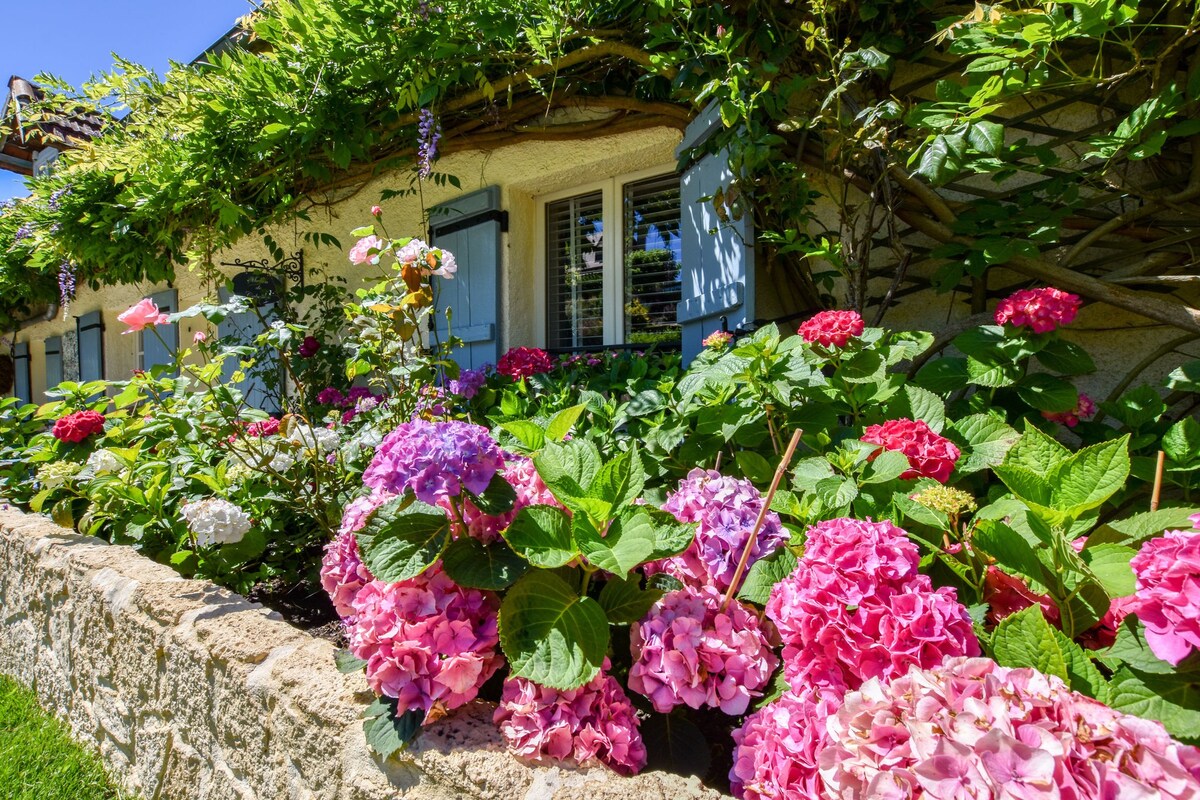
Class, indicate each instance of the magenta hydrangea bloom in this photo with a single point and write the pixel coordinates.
(856, 605)
(427, 641)
(726, 509)
(776, 750)
(330, 396)
(1167, 595)
(594, 723)
(1085, 408)
(973, 729)
(686, 650)
(929, 455)
(832, 329)
(434, 460)
(1041, 310)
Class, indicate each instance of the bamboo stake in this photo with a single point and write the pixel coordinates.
(762, 515)
(1158, 476)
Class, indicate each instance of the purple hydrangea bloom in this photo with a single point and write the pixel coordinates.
(435, 460)
(468, 384)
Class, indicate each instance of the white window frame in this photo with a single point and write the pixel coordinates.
(613, 281)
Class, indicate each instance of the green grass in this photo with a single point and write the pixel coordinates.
(38, 758)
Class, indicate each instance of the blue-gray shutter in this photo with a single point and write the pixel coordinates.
(54, 362)
(242, 329)
(91, 347)
(717, 279)
(21, 388)
(470, 228)
(154, 351)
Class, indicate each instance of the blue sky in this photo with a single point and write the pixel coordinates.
(74, 39)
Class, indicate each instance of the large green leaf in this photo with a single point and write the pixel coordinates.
(1181, 442)
(620, 481)
(1025, 639)
(1173, 700)
(542, 536)
(1092, 475)
(528, 433)
(914, 402)
(1036, 451)
(1047, 393)
(1066, 358)
(568, 469)
(1136, 529)
(389, 730)
(550, 634)
(624, 601)
(986, 440)
(560, 425)
(1110, 564)
(401, 541)
(633, 538)
(764, 574)
(1012, 552)
(471, 563)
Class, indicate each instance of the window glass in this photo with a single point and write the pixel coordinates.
(575, 272)
(651, 260)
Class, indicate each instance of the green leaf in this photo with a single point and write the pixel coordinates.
(560, 425)
(1047, 393)
(1185, 378)
(754, 466)
(917, 403)
(943, 375)
(550, 635)
(388, 731)
(1036, 451)
(1092, 475)
(400, 542)
(568, 469)
(1012, 552)
(625, 602)
(631, 539)
(987, 440)
(347, 662)
(764, 574)
(527, 433)
(498, 498)
(620, 481)
(1066, 358)
(471, 563)
(887, 466)
(1136, 529)
(1025, 639)
(542, 536)
(1110, 564)
(992, 373)
(1181, 442)
(1173, 700)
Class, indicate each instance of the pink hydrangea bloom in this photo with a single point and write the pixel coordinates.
(143, 314)
(832, 328)
(1042, 310)
(857, 606)
(1167, 596)
(776, 750)
(434, 460)
(522, 362)
(361, 253)
(687, 650)
(1007, 594)
(595, 723)
(1084, 409)
(343, 573)
(973, 729)
(717, 339)
(929, 455)
(426, 641)
(530, 490)
(726, 509)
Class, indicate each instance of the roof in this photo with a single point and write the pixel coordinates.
(24, 132)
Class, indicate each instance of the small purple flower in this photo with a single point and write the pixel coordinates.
(429, 133)
(66, 284)
(330, 396)
(309, 347)
(57, 196)
(23, 232)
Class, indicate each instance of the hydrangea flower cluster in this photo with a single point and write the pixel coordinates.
(78, 426)
(1084, 409)
(523, 362)
(342, 570)
(832, 328)
(103, 461)
(434, 460)
(54, 474)
(687, 650)
(1041, 310)
(971, 728)
(426, 641)
(330, 396)
(215, 521)
(266, 427)
(726, 509)
(319, 440)
(929, 455)
(594, 723)
(856, 608)
(778, 747)
(468, 383)
(717, 340)
(1167, 596)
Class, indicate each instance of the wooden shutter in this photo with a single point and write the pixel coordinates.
(154, 351)
(470, 228)
(90, 329)
(54, 362)
(242, 329)
(21, 385)
(718, 257)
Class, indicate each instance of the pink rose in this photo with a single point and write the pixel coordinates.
(200, 338)
(376, 211)
(144, 314)
(361, 252)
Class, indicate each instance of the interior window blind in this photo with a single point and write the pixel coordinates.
(652, 260)
(575, 272)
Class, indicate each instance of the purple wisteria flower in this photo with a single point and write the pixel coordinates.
(23, 232)
(57, 196)
(429, 133)
(435, 460)
(66, 284)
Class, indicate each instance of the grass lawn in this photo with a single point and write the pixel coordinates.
(38, 758)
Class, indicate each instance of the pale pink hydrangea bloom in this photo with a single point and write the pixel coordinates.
(973, 729)
(361, 253)
(595, 723)
(342, 570)
(726, 509)
(1167, 596)
(686, 650)
(426, 641)
(143, 314)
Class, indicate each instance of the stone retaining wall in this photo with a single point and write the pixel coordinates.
(191, 692)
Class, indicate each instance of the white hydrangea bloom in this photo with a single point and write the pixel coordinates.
(239, 472)
(216, 521)
(54, 474)
(103, 461)
(282, 461)
(321, 440)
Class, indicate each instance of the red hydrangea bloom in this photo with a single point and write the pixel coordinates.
(1084, 409)
(687, 650)
(594, 723)
(426, 641)
(929, 455)
(832, 328)
(973, 729)
(78, 426)
(266, 427)
(1167, 596)
(522, 362)
(1042, 310)
(856, 606)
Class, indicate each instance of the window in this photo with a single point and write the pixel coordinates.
(612, 261)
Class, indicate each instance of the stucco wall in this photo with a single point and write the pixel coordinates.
(192, 693)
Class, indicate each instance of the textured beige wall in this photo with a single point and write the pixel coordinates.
(192, 693)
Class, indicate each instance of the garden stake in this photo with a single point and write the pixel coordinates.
(1158, 473)
(762, 515)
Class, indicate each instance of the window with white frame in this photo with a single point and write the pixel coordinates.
(612, 262)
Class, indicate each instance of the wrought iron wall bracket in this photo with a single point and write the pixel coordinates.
(291, 267)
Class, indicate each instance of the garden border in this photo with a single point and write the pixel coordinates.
(191, 691)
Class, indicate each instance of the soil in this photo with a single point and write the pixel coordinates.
(304, 605)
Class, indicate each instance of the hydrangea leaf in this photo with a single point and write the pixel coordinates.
(764, 574)
(625, 602)
(985, 439)
(1110, 564)
(387, 730)
(1012, 552)
(347, 662)
(1173, 700)
(529, 434)
(1047, 393)
(542, 536)
(1025, 639)
(568, 469)
(620, 481)
(475, 565)
(1138, 528)
(914, 402)
(550, 634)
(400, 542)
(633, 538)
(562, 422)
(1066, 358)
(1090, 476)
(497, 498)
